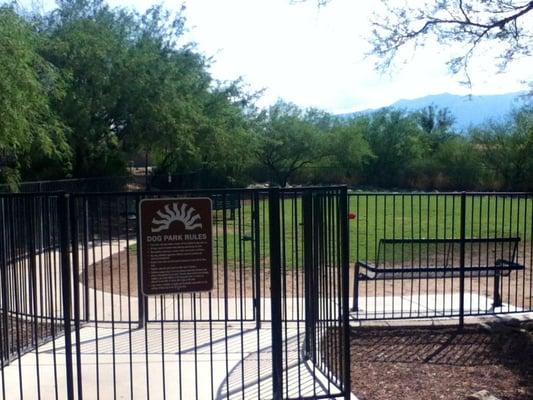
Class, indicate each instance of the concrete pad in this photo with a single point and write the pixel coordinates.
(441, 305)
(168, 360)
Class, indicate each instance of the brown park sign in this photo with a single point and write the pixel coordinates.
(176, 245)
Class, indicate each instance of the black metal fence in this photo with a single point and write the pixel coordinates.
(123, 183)
(291, 271)
(81, 185)
(274, 326)
(441, 254)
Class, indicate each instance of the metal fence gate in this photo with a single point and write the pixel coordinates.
(74, 325)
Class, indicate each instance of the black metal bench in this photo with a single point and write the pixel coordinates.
(229, 201)
(440, 258)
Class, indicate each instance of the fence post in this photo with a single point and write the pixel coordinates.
(257, 259)
(275, 285)
(462, 262)
(4, 333)
(497, 296)
(307, 211)
(87, 310)
(31, 251)
(345, 275)
(66, 288)
(141, 298)
(76, 283)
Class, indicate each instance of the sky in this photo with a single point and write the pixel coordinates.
(315, 56)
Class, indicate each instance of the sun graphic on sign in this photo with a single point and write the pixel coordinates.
(185, 214)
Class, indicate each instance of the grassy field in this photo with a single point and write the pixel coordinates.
(377, 216)
(435, 216)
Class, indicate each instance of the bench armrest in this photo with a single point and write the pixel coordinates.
(365, 270)
(508, 266)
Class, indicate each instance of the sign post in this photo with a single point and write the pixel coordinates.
(176, 245)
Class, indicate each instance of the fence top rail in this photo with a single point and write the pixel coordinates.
(356, 194)
(452, 240)
(221, 191)
(209, 191)
(34, 194)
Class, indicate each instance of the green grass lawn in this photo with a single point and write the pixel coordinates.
(437, 216)
(383, 216)
(377, 216)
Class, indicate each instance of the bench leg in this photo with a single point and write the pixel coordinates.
(497, 297)
(355, 306)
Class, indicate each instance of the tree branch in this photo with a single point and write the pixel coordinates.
(466, 24)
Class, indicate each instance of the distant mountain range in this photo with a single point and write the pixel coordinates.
(467, 110)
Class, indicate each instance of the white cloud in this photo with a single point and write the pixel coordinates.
(315, 56)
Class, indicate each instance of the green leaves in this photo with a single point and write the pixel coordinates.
(506, 151)
(28, 88)
(134, 89)
(87, 87)
(287, 140)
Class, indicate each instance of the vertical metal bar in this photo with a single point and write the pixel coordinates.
(93, 238)
(13, 223)
(296, 278)
(32, 284)
(497, 297)
(86, 258)
(66, 288)
(4, 334)
(275, 280)
(284, 287)
(307, 210)
(355, 306)
(141, 299)
(76, 292)
(226, 280)
(462, 263)
(345, 265)
(257, 260)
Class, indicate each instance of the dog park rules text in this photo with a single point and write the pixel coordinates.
(176, 245)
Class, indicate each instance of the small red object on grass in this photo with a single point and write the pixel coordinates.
(352, 215)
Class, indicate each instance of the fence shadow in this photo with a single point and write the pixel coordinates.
(495, 353)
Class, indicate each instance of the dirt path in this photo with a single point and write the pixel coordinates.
(118, 274)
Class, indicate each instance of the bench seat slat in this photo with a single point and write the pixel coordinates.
(369, 271)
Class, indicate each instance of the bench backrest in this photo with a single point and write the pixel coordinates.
(479, 252)
(228, 201)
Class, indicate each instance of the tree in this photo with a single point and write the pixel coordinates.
(506, 151)
(134, 87)
(221, 139)
(397, 144)
(30, 130)
(458, 165)
(347, 149)
(433, 119)
(436, 130)
(507, 25)
(287, 140)
(88, 43)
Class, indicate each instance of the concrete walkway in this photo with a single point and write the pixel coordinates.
(168, 360)
(172, 360)
(169, 363)
(442, 305)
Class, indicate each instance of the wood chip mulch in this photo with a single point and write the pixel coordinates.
(21, 335)
(442, 362)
